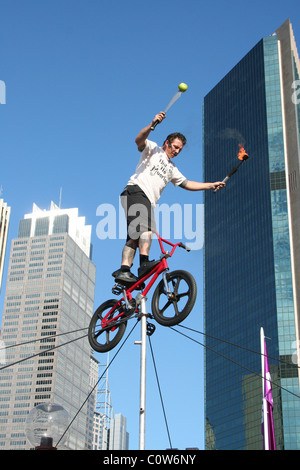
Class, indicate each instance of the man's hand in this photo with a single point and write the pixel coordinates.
(159, 117)
(143, 134)
(218, 185)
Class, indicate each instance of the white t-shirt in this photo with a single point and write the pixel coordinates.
(154, 171)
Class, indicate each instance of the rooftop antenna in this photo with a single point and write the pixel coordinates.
(60, 192)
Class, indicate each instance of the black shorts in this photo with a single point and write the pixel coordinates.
(138, 211)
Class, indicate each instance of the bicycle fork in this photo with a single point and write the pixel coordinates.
(167, 288)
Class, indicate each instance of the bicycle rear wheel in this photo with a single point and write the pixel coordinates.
(172, 308)
(104, 339)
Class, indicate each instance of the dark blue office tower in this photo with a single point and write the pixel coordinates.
(252, 246)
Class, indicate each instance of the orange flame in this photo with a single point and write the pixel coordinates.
(242, 153)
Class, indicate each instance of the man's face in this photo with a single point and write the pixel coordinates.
(174, 148)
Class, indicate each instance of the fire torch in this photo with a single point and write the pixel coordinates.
(243, 156)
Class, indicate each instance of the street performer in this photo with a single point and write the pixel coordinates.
(154, 171)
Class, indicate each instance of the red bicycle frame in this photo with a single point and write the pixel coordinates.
(155, 272)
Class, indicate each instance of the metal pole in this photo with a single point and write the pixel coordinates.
(143, 344)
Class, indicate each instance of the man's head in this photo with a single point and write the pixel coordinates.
(173, 144)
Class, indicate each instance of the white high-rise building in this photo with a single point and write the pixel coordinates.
(118, 436)
(48, 302)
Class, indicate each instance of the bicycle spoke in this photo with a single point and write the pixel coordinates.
(98, 333)
(176, 308)
(107, 336)
(166, 306)
(176, 283)
(184, 294)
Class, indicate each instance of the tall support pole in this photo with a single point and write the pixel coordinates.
(143, 344)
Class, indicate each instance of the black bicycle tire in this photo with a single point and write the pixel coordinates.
(160, 289)
(97, 316)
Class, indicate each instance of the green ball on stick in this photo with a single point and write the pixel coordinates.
(182, 87)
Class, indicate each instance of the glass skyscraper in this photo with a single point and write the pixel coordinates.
(252, 246)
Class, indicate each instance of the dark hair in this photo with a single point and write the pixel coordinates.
(176, 135)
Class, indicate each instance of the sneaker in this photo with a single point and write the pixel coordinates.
(115, 273)
(125, 278)
(146, 267)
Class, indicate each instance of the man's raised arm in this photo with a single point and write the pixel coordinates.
(143, 134)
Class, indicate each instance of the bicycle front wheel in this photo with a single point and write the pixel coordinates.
(104, 339)
(171, 308)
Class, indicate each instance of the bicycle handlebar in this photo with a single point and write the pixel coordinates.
(187, 248)
(174, 245)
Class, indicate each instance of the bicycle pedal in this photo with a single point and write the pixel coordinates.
(117, 289)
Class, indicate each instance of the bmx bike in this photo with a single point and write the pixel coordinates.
(172, 301)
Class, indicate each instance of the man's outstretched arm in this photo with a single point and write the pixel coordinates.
(196, 186)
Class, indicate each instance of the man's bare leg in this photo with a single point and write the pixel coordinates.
(123, 274)
(128, 252)
(145, 241)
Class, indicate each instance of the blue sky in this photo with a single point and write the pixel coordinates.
(82, 78)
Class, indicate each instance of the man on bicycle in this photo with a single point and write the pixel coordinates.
(154, 171)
